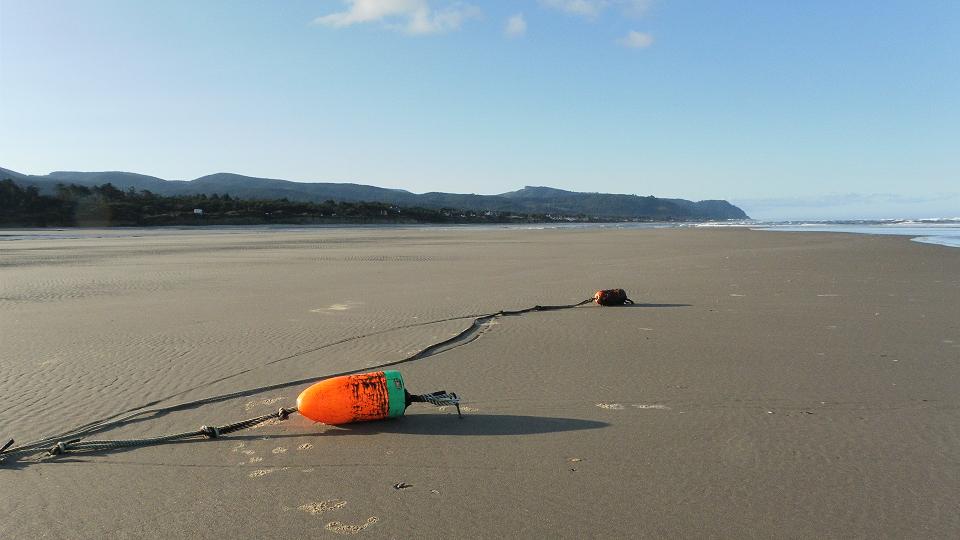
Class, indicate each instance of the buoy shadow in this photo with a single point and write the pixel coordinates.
(639, 304)
(470, 425)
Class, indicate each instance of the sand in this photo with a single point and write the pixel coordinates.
(765, 385)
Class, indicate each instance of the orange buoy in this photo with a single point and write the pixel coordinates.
(354, 398)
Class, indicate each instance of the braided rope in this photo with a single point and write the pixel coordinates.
(60, 446)
(440, 400)
(208, 432)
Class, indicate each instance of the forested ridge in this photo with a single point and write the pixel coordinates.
(106, 205)
(531, 200)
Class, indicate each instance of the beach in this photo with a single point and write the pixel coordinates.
(764, 384)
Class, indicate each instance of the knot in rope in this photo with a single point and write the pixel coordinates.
(210, 431)
(59, 448)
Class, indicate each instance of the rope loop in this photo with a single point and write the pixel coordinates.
(439, 399)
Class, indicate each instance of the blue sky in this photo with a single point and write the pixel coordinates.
(791, 109)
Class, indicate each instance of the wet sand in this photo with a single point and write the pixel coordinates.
(765, 384)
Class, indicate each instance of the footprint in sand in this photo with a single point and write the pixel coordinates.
(337, 307)
(463, 408)
(322, 506)
(342, 528)
(266, 401)
(610, 406)
(620, 406)
(305, 446)
(260, 473)
(255, 460)
(279, 450)
(265, 423)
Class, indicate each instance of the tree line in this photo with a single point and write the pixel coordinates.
(105, 205)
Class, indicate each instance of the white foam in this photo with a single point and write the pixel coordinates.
(943, 232)
(949, 241)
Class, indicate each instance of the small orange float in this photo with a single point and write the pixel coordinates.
(611, 297)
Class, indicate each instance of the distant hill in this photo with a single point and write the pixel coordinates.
(13, 175)
(531, 199)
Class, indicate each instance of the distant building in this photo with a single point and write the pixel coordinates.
(198, 211)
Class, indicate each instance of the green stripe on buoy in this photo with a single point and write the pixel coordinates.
(396, 394)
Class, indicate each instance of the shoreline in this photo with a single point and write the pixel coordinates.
(937, 232)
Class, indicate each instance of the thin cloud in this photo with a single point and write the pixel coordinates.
(636, 40)
(516, 26)
(636, 8)
(847, 206)
(845, 199)
(592, 8)
(415, 17)
(583, 8)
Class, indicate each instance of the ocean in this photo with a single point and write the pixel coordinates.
(944, 232)
(940, 231)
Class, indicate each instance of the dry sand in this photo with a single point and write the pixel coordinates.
(766, 384)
